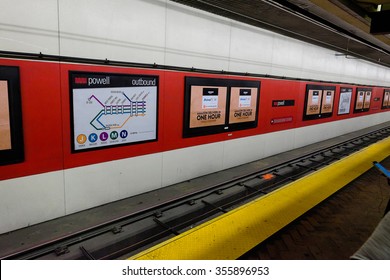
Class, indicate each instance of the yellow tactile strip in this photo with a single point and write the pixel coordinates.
(234, 233)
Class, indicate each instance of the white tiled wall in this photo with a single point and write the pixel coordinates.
(30, 200)
(29, 26)
(164, 32)
(117, 30)
(96, 184)
(184, 164)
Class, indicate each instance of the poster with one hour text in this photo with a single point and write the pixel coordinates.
(243, 103)
(363, 100)
(208, 106)
(11, 126)
(367, 100)
(213, 105)
(327, 101)
(5, 128)
(386, 99)
(319, 101)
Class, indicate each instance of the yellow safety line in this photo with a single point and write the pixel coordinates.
(236, 232)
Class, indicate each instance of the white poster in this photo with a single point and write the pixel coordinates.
(112, 109)
(345, 101)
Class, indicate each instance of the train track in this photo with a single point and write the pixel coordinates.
(133, 233)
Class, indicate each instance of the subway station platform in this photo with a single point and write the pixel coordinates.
(334, 229)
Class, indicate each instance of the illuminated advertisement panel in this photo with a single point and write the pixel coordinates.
(363, 100)
(367, 100)
(318, 102)
(5, 125)
(345, 101)
(314, 98)
(386, 99)
(11, 134)
(243, 104)
(219, 105)
(112, 109)
(327, 101)
(208, 106)
(359, 100)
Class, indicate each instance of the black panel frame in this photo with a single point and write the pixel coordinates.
(383, 99)
(320, 115)
(118, 76)
(16, 153)
(226, 127)
(344, 90)
(365, 89)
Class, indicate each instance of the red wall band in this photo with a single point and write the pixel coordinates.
(47, 125)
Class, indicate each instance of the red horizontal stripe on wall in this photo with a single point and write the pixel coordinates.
(46, 105)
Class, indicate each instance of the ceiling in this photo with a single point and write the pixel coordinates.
(341, 25)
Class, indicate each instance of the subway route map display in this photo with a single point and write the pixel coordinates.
(112, 109)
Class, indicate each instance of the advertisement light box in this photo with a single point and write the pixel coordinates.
(386, 99)
(11, 130)
(318, 102)
(219, 105)
(363, 100)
